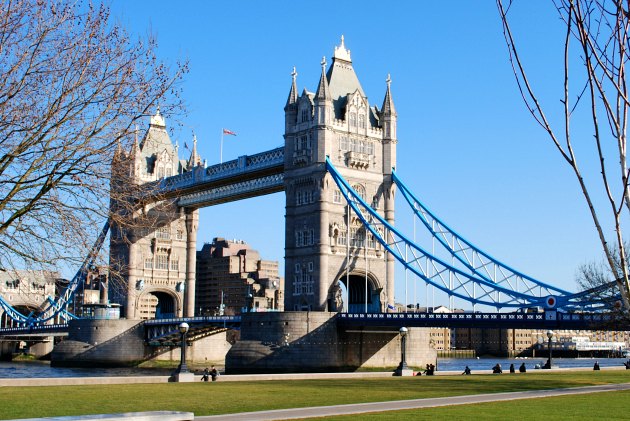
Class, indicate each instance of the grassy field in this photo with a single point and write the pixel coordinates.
(229, 397)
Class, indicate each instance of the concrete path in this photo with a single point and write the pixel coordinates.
(327, 411)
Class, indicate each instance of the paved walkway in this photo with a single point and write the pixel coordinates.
(360, 408)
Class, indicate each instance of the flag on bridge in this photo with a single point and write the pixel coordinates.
(230, 132)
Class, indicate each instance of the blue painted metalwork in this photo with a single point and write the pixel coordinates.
(471, 283)
(58, 306)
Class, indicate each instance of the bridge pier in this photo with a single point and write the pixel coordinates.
(313, 342)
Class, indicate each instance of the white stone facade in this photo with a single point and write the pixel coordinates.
(337, 121)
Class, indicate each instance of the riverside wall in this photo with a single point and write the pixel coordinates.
(274, 342)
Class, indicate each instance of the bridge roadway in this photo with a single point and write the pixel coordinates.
(164, 332)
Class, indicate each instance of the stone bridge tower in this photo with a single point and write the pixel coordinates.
(153, 249)
(330, 265)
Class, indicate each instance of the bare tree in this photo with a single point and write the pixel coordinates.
(73, 85)
(594, 89)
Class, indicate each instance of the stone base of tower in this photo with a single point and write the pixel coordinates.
(311, 342)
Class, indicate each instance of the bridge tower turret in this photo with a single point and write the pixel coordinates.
(152, 247)
(330, 262)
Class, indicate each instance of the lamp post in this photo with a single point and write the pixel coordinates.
(402, 369)
(549, 335)
(183, 329)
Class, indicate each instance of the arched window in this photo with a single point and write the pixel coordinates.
(360, 190)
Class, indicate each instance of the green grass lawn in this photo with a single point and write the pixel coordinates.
(229, 397)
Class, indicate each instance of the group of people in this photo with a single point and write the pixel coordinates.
(498, 370)
(207, 374)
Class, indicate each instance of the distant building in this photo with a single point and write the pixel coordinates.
(27, 290)
(232, 274)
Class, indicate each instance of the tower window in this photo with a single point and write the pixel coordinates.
(353, 120)
(361, 121)
(305, 115)
(336, 196)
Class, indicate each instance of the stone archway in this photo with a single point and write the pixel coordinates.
(158, 304)
(351, 294)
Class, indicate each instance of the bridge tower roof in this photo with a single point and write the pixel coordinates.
(342, 80)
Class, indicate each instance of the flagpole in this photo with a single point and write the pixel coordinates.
(221, 156)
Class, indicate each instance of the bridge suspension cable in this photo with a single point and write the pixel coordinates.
(53, 308)
(474, 282)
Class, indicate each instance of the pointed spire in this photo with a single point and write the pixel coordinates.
(195, 159)
(135, 148)
(157, 119)
(118, 153)
(341, 52)
(323, 91)
(388, 104)
(293, 95)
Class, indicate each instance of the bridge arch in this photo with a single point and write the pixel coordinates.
(348, 293)
(159, 303)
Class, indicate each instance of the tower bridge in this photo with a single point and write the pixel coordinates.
(337, 170)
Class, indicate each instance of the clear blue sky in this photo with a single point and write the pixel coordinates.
(467, 145)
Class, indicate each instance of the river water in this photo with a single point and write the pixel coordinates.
(42, 369)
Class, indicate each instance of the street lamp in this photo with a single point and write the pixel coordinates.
(183, 329)
(550, 335)
(402, 367)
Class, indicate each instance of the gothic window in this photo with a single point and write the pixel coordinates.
(299, 239)
(357, 237)
(169, 171)
(160, 171)
(361, 121)
(353, 119)
(369, 148)
(360, 190)
(371, 241)
(361, 147)
(298, 198)
(148, 263)
(297, 284)
(303, 142)
(353, 145)
(179, 235)
(163, 233)
(305, 115)
(343, 143)
(175, 264)
(161, 261)
(298, 268)
(310, 266)
(341, 239)
(336, 196)
(375, 202)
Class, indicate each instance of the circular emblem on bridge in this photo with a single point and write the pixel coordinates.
(551, 301)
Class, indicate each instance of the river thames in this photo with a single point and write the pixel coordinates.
(43, 369)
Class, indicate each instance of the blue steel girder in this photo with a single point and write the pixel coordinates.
(58, 306)
(483, 265)
(430, 269)
(477, 261)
